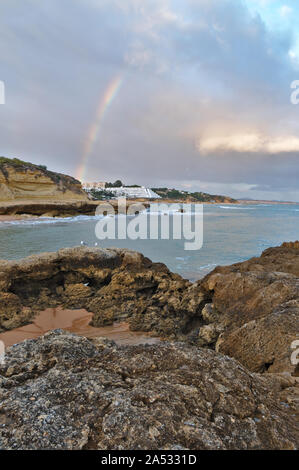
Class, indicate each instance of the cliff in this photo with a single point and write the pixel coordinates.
(25, 181)
(175, 195)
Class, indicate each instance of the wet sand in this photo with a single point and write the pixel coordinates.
(75, 321)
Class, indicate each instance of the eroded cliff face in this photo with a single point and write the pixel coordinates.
(25, 181)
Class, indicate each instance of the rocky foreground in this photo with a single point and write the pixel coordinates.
(62, 391)
(169, 396)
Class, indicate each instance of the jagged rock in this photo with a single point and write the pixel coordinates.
(140, 397)
(209, 314)
(245, 310)
(207, 335)
(114, 284)
(256, 304)
(163, 396)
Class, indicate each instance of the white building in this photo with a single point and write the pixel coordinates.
(131, 193)
(134, 193)
(98, 185)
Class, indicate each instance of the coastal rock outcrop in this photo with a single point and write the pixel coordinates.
(166, 396)
(21, 180)
(249, 311)
(254, 309)
(113, 284)
(48, 209)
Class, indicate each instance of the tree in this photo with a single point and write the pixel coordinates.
(116, 184)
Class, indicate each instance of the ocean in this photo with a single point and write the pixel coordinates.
(231, 233)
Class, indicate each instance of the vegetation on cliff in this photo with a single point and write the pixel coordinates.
(20, 165)
(167, 193)
(101, 195)
(25, 180)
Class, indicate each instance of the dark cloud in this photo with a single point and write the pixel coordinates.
(192, 72)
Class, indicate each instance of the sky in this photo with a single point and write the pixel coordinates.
(192, 94)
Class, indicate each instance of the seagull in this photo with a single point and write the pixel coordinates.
(83, 243)
(96, 244)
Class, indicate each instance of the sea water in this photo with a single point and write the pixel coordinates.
(232, 233)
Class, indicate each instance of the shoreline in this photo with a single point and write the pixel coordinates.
(13, 218)
(30, 210)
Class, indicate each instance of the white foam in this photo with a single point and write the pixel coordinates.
(47, 220)
(207, 266)
(237, 208)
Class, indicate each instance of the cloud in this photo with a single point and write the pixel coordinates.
(205, 96)
(249, 143)
(285, 10)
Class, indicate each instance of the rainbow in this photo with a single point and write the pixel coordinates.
(92, 135)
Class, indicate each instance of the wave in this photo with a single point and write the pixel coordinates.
(47, 220)
(237, 208)
(171, 212)
(207, 266)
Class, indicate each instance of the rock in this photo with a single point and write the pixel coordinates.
(209, 313)
(245, 310)
(256, 308)
(24, 180)
(166, 396)
(43, 208)
(76, 295)
(265, 344)
(207, 335)
(284, 258)
(113, 284)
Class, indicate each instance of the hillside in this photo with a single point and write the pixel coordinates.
(187, 196)
(21, 180)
